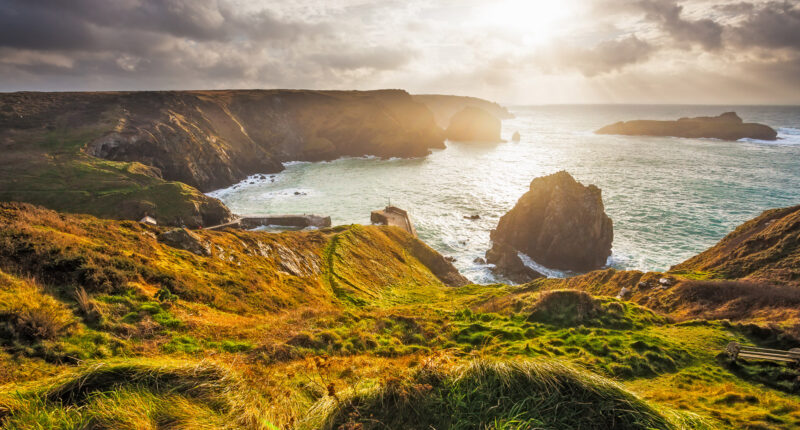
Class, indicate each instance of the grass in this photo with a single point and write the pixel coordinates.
(500, 395)
(138, 394)
(336, 324)
(49, 168)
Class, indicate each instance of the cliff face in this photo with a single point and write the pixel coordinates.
(211, 139)
(444, 107)
(727, 126)
(764, 248)
(473, 124)
(559, 223)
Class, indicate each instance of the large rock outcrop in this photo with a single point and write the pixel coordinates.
(473, 124)
(727, 126)
(445, 106)
(559, 223)
(766, 248)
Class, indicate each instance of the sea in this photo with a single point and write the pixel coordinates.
(669, 198)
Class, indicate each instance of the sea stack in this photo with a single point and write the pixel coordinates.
(727, 126)
(559, 223)
(473, 124)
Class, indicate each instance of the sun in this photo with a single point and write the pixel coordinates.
(537, 21)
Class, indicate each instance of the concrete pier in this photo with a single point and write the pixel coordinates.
(298, 221)
(394, 216)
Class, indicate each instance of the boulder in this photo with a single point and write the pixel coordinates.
(515, 137)
(507, 264)
(558, 223)
(182, 238)
(727, 126)
(473, 124)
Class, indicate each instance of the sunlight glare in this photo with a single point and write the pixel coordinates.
(537, 21)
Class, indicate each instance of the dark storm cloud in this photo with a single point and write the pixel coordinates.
(85, 24)
(668, 15)
(773, 25)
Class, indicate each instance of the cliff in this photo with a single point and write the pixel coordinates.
(211, 139)
(559, 223)
(473, 124)
(766, 248)
(104, 153)
(727, 126)
(444, 107)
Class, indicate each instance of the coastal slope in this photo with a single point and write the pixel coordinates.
(106, 324)
(130, 154)
(764, 248)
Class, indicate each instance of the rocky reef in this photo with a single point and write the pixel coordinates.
(727, 126)
(473, 124)
(559, 223)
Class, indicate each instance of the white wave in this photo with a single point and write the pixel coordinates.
(550, 273)
(294, 163)
(248, 182)
(786, 136)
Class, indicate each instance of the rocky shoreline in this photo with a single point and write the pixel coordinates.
(204, 139)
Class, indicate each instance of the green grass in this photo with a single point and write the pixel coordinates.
(50, 169)
(138, 394)
(490, 394)
(338, 324)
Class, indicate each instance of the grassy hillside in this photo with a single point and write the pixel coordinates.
(49, 167)
(766, 248)
(104, 326)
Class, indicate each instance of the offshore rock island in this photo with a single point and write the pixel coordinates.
(727, 126)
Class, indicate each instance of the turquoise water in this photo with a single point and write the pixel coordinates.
(669, 198)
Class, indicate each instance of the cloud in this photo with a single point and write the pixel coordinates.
(622, 47)
(364, 58)
(773, 25)
(669, 16)
(607, 56)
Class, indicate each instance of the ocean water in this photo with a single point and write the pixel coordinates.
(669, 198)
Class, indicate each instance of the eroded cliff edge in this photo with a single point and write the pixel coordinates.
(211, 139)
(126, 154)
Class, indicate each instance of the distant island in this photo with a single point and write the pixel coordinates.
(728, 126)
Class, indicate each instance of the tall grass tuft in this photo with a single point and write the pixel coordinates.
(27, 314)
(139, 394)
(485, 394)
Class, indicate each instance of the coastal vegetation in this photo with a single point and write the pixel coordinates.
(353, 327)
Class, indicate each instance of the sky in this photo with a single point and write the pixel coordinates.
(510, 51)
